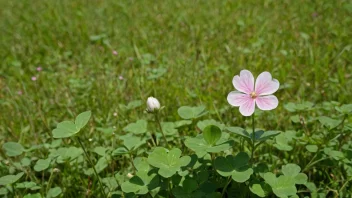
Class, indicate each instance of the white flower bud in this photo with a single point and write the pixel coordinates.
(152, 104)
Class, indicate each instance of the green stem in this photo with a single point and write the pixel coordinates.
(161, 129)
(50, 180)
(131, 158)
(253, 139)
(151, 135)
(225, 187)
(344, 185)
(91, 163)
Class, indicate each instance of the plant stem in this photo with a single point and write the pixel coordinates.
(161, 129)
(151, 135)
(50, 180)
(91, 163)
(131, 158)
(225, 187)
(253, 139)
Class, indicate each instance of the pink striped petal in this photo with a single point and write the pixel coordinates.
(247, 109)
(237, 99)
(267, 102)
(265, 84)
(244, 82)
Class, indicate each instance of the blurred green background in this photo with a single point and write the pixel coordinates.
(182, 52)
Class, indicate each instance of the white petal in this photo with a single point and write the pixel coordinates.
(247, 109)
(267, 102)
(244, 82)
(265, 84)
(236, 98)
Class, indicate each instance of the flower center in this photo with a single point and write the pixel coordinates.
(253, 95)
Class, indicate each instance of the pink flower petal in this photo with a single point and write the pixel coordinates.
(244, 82)
(265, 84)
(247, 109)
(237, 99)
(267, 102)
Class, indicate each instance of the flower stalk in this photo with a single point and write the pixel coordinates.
(91, 163)
(253, 139)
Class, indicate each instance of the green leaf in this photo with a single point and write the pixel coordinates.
(301, 178)
(42, 164)
(26, 185)
(189, 113)
(54, 192)
(66, 154)
(201, 147)
(189, 185)
(282, 186)
(65, 129)
(139, 127)
(3, 191)
(312, 148)
(260, 188)
(100, 150)
(110, 182)
(345, 109)
(282, 141)
(211, 134)
(13, 149)
(82, 119)
(102, 163)
(169, 128)
(141, 184)
(141, 164)
(337, 155)
(36, 195)
(119, 151)
(132, 142)
(291, 170)
(204, 123)
(329, 122)
(10, 179)
(239, 131)
(182, 123)
(167, 162)
(235, 166)
(267, 135)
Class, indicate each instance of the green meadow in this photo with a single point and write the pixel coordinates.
(75, 77)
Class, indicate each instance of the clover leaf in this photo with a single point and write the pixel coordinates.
(204, 123)
(189, 113)
(235, 166)
(283, 186)
(10, 179)
(209, 142)
(13, 149)
(67, 129)
(144, 180)
(138, 127)
(168, 162)
(211, 134)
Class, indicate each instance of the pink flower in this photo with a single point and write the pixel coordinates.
(249, 94)
(34, 78)
(114, 52)
(19, 92)
(120, 77)
(39, 69)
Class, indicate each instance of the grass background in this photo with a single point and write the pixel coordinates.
(201, 45)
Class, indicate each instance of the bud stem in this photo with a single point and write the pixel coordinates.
(157, 120)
